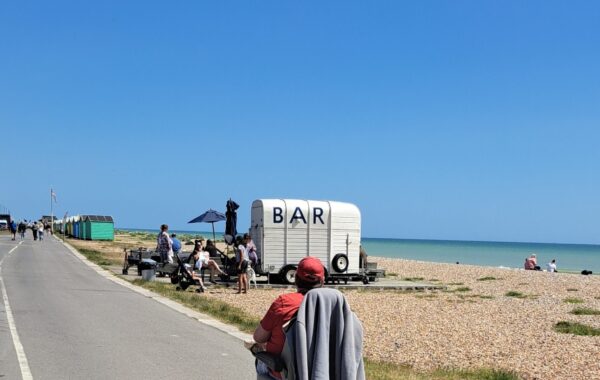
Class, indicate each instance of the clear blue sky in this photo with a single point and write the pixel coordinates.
(441, 119)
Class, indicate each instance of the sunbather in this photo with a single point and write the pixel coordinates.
(201, 260)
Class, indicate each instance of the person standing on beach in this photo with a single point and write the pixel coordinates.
(241, 258)
(251, 250)
(176, 244)
(164, 244)
(552, 266)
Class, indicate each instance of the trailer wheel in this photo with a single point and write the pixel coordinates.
(340, 262)
(288, 274)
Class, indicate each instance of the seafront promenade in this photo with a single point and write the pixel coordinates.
(61, 319)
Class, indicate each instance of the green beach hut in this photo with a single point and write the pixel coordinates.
(97, 227)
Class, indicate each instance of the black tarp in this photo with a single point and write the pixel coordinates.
(231, 215)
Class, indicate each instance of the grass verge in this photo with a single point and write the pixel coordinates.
(219, 309)
(576, 328)
(97, 257)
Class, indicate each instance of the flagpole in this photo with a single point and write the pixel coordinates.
(51, 214)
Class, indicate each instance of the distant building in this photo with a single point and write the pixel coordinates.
(48, 218)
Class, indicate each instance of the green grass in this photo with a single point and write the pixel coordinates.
(515, 294)
(219, 309)
(413, 279)
(576, 329)
(463, 289)
(388, 371)
(434, 280)
(585, 311)
(487, 278)
(456, 283)
(98, 257)
(572, 300)
(428, 295)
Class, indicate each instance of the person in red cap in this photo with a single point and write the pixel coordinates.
(269, 333)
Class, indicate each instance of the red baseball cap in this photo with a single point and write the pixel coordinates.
(310, 269)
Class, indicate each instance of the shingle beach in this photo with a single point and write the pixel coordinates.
(472, 324)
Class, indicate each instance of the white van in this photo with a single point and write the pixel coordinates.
(286, 230)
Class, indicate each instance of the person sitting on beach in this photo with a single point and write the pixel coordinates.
(212, 249)
(196, 277)
(202, 261)
(269, 334)
(176, 244)
(552, 266)
(531, 263)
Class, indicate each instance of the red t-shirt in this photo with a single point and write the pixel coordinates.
(281, 311)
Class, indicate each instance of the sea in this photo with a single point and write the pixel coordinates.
(569, 257)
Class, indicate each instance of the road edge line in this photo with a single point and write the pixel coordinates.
(19, 350)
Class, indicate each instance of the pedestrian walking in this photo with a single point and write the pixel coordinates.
(13, 229)
(40, 228)
(21, 228)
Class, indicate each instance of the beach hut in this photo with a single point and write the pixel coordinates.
(98, 227)
(76, 227)
(70, 227)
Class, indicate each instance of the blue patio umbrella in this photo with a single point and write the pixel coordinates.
(211, 216)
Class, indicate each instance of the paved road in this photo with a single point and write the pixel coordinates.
(74, 324)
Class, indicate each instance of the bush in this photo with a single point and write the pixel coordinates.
(487, 278)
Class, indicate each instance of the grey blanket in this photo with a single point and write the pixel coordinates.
(326, 339)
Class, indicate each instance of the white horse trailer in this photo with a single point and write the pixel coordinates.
(286, 230)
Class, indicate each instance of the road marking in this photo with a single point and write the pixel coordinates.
(25, 371)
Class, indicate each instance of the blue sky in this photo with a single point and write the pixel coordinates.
(441, 120)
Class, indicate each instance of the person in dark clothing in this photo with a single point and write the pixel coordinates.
(21, 228)
(212, 249)
(13, 229)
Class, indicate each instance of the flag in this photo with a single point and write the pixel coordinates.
(53, 195)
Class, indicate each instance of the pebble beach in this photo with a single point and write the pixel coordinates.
(472, 324)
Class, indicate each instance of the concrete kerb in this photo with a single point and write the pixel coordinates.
(200, 317)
